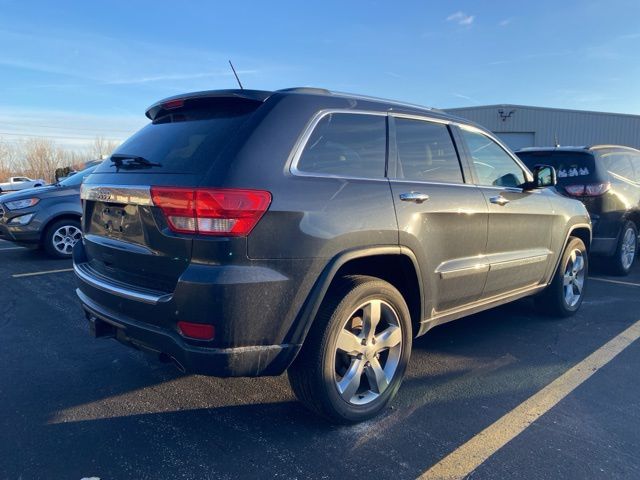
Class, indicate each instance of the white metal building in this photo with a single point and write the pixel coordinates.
(521, 126)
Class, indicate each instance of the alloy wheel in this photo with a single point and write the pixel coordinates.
(367, 352)
(64, 238)
(628, 249)
(574, 275)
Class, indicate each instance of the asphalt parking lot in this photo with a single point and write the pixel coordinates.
(74, 407)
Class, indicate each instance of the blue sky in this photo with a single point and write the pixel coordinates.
(74, 70)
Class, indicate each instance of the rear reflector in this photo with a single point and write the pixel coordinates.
(199, 331)
(222, 212)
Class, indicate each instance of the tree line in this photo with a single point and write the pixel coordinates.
(38, 157)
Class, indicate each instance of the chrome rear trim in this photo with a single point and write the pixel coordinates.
(125, 194)
(84, 273)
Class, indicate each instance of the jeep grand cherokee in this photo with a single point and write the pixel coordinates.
(244, 233)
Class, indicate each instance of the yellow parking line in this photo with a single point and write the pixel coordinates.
(32, 274)
(466, 458)
(618, 282)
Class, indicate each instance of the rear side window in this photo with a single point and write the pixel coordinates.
(619, 165)
(346, 144)
(187, 140)
(426, 152)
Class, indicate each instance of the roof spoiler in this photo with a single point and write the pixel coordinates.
(177, 101)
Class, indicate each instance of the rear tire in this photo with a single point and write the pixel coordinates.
(563, 297)
(625, 255)
(60, 237)
(355, 355)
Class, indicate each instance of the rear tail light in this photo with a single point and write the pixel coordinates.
(595, 189)
(222, 212)
(589, 190)
(199, 331)
(575, 190)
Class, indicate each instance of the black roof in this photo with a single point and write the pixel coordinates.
(262, 95)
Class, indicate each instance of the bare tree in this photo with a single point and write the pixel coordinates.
(41, 158)
(8, 159)
(102, 148)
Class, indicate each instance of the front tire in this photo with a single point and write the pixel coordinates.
(355, 355)
(60, 237)
(563, 297)
(626, 250)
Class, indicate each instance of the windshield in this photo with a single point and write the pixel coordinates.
(77, 178)
(571, 167)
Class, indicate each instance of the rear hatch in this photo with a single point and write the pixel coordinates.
(132, 239)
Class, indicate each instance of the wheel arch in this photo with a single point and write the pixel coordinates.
(54, 218)
(395, 264)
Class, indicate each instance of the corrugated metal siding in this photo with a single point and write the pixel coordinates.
(572, 127)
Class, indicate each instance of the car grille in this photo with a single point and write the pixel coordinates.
(1, 212)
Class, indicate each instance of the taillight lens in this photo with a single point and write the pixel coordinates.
(575, 190)
(595, 189)
(222, 212)
(589, 190)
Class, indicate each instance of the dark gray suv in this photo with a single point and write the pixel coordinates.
(244, 233)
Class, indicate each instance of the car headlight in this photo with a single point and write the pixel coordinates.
(18, 204)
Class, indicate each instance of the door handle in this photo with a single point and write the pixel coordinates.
(414, 197)
(499, 200)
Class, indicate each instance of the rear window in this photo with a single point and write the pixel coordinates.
(571, 167)
(187, 140)
(346, 144)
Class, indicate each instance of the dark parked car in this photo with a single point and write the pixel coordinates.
(243, 233)
(47, 217)
(606, 178)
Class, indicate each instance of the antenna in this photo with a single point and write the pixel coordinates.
(234, 72)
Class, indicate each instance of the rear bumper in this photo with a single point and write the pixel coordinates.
(247, 306)
(247, 361)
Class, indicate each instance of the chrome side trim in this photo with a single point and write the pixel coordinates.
(520, 262)
(139, 296)
(126, 194)
(455, 268)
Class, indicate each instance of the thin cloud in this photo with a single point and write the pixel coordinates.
(461, 18)
(173, 77)
(393, 74)
(505, 22)
(464, 97)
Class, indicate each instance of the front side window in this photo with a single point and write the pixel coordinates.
(346, 144)
(426, 152)
(493, 166)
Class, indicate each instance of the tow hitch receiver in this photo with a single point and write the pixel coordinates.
(99, 328)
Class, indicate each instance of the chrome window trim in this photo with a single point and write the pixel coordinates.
(301, 143)
(150, 298)
(126, 194)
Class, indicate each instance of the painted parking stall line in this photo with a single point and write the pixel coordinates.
(45, 272)
(617, 282)
(466, 458)
(6, 249)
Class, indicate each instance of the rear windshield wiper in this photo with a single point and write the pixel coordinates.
(132, 161)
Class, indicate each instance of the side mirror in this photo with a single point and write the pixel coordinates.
(544, 176)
